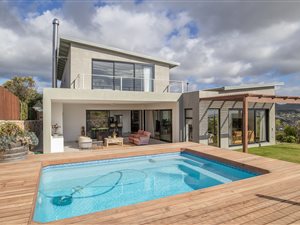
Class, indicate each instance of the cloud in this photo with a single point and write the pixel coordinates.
(217, 43)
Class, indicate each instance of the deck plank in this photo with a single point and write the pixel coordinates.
(273, 198)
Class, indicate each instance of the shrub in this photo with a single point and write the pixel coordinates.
(33, 138)
(10, 129)
(5, 142)
(290, 139)
(11, 133)
(290, 131)
(280, 137)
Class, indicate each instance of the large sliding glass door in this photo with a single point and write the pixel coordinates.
(261, 126)
(135, 120)
(251, 126)
(235, 127)
(213, 128)
(257, 126)
(162, 123)
(188, 117)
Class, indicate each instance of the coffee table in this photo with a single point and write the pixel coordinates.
(117, 140)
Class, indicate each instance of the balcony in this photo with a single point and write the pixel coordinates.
(123, 83)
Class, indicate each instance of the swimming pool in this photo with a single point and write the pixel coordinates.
(75, 189)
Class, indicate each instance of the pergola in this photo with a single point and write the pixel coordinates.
(246, 98)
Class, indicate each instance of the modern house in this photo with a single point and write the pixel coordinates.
(104, 89)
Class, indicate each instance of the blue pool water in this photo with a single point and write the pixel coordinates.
(81, 188)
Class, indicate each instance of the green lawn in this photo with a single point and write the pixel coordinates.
(287, 152)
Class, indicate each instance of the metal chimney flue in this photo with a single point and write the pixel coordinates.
(54, 52)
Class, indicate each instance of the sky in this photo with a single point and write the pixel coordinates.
(217, 43)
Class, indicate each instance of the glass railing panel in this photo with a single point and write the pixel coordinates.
(120, 83)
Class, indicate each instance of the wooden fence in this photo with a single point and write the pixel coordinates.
(9, 105)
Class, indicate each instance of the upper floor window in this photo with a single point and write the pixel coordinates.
(122, 76)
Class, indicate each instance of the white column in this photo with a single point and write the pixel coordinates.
(57, 141)
(46, 123)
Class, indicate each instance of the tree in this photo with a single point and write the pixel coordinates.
(24, 88)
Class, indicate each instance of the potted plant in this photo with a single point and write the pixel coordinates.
(114, 134)
(55, 128)
(15, 142)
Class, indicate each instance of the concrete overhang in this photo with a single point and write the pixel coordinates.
(106, 96)
(245, 87)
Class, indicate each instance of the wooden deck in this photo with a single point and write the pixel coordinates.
(272, 198)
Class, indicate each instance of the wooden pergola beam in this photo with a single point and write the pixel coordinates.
(284, 100)
(255, 98)
(245, 125)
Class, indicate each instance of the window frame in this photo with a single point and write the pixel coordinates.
(267, 111)
(114, 72)
(219, 126)
(159, 111)
(187, 118)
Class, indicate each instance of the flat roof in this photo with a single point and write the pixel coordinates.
(242, 87)
(254, 98)
(65, 43)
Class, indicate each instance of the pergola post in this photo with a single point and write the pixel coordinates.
(245, 125)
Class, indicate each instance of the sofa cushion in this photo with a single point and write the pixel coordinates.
(146, 133)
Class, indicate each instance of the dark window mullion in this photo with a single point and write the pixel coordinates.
(255, 118)
(113, 79)
(134, 76)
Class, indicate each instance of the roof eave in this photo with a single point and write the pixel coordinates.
(243, 87)
(171, 64)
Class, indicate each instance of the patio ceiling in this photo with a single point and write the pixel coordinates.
(246, 98)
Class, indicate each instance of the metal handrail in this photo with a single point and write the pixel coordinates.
(97, 75)
(170, 84)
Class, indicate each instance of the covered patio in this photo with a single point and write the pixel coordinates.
(253, 98)
(90, 113)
